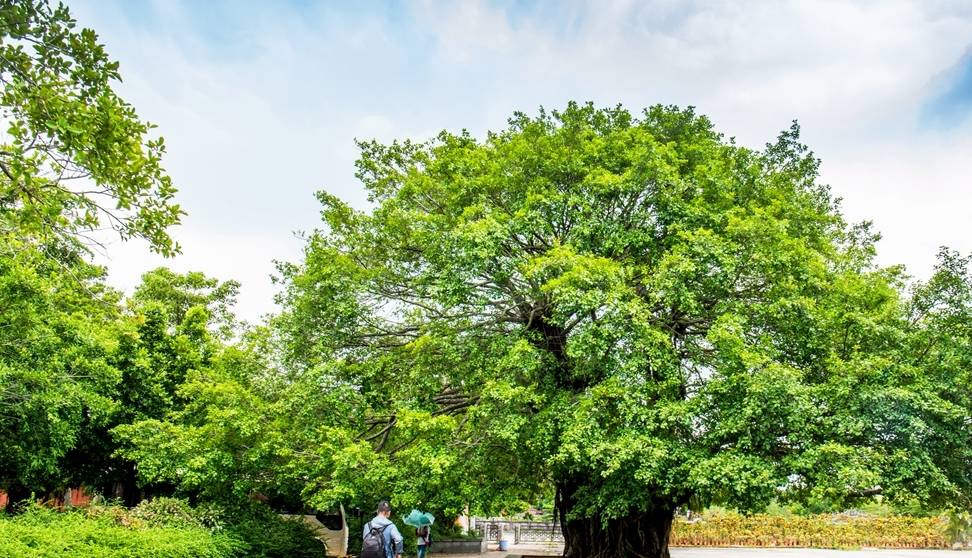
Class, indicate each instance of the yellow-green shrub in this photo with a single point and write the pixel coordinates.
(826, 531)
(44, 533)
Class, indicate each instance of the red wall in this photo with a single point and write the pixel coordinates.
(80, 497)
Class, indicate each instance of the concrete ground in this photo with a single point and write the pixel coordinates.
(808, 553)
(546, 550)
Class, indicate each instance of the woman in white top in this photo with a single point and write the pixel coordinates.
(423, 535)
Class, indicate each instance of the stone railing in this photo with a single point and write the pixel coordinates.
(519, 531)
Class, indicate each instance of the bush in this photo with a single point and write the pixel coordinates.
(108, 532)
(257, 528)
(449, 530)
(160, 528)
(960, 527)
(267, 535)
(173, 512)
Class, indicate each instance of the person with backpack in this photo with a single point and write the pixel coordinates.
(381, 537)
(423, 536)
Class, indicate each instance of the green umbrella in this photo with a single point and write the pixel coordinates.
(419, 519)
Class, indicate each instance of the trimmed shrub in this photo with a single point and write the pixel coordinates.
(818, 531)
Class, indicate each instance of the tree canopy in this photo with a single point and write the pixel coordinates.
(631, 309)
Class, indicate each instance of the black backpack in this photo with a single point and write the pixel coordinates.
(374, 542)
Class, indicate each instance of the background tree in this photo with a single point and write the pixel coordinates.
(74, 158)
(935, 363)
(56, 375)
(74, 155)
(171, 331)
(222, 440)
(73, 365)
(632, 310)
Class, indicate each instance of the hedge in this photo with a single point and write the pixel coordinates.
(818, 531)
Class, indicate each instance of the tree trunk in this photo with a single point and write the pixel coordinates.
(16, 494)
(129, 486)
(642, 534)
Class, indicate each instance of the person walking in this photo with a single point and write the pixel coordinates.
(423, 536)
(381, 539)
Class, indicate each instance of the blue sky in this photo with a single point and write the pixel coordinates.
(259, 102)
(951, 100)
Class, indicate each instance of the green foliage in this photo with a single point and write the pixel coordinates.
(225, 438)
(41, 532)
(166, 336)
(56, 377)
(451, 531)
(180, 295)
(960, 527)
(173, 327)
(74, 159)
(77, 362)
(267, 535)
(161, 527)
(174, 512)
(74, 156)
(631, 309)
(209, 447)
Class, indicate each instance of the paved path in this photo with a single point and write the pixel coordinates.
(751, 553)
(809, 553)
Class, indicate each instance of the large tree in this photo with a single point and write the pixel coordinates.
(632, 311)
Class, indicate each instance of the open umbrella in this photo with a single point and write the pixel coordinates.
(419, 519)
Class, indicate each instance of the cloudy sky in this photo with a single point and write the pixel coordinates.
(260, 102)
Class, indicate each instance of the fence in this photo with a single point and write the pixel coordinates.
(519, 531)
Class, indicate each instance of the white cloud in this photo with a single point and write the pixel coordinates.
(260, 103)
(917, 190)
(244, 257)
